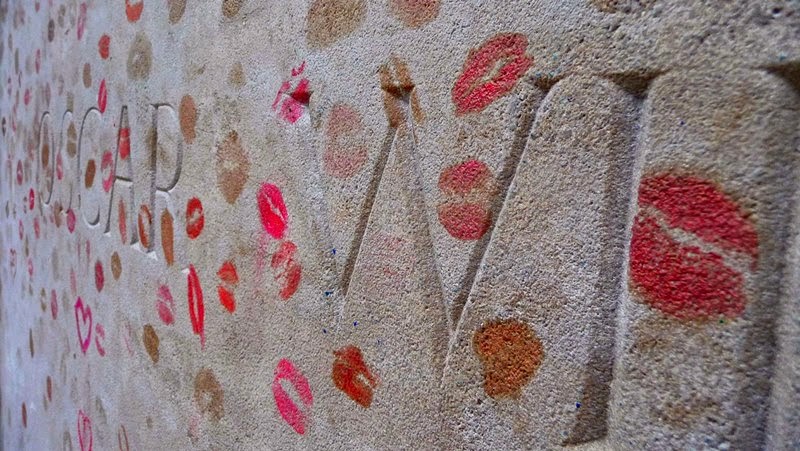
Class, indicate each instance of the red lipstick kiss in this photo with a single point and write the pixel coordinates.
(293, 104)
(273, 210)
(165, 305)
(124, 142)
(145, 220)
(107, 168)
(102, 46)
(197, 311)
(84, 318)
(99, 277)
(292, 414)
(230, 278)
(491, 72)
(195, 220)
(681, 279)
(347, 368)
(102, 96)
(292, 271)
(133, 12)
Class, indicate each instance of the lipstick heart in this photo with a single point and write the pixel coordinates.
(84, 318)
(85, 438)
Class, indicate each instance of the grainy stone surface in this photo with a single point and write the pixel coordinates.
(394, 224)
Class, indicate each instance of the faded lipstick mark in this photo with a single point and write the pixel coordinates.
(352, 376)
(165, 305)
(466, 211)
(293, 102)
(290, 412)
(491, 72)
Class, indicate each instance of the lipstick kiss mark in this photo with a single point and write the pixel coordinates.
(84, 318)
(85, 438)
(195, 220)
(99, 333)
(99, 277)
(491, 72)
(679, 278)
(466, 212)
(102, 46)
(292, 272)
(122, 219)
(53, 304)
(197, 312)
(124, 142)
(352, 376)
(230, 278)
(290, 412)
(145, 221)
(31, 199)
(167, 237)
(102, 96)
(273, 210)
(345, 151)
(165, 305)
(81, 25)
(133, 12)
(107, 168)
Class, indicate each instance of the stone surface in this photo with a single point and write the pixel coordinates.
(380, 224)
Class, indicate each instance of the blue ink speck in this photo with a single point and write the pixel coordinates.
(683, 122)
(355, 323)
(328, 293)
(577, 405)
(333, 251)
(324, 331)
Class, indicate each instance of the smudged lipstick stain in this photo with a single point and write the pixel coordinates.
(167, 237)
(36, 227)
(352, 376)
(107, 168)
(510, 353)
(145, 220)
(133, 11)
(229, 278)
(151, 342)
(103, 45)
(290, 412)
(85, 439)
(490, 72)
(195, 220)
(208, 394)
(102, 96)
(83, 315)
(679, 279)
(116, 265)
(197, 312)
(31, 199)
(165, 305)
(274, 216)
(291, 272)
(293, 104)
(233, 167)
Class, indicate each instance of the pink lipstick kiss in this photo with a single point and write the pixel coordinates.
(290, 412)
(491, 72)
(678, 278)
(466, 211)
(165, 305)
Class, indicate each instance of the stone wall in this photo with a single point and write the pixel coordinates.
(397, 224)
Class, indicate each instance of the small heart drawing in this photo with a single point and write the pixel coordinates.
(85, 317)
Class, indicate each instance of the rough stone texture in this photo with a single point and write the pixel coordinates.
(393, 224)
